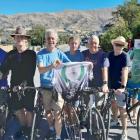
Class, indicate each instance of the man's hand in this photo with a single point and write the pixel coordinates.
(119, 91)
(90, 66)
(56, 64)
(105, 88)
(90, 69)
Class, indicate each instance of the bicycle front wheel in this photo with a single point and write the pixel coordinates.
(72, 124)
(106, 118)
(96, 128)
(138, 123)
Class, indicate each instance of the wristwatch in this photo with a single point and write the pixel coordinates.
(105, 82)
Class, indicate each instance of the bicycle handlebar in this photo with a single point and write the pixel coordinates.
(92, 90)
(19, 89)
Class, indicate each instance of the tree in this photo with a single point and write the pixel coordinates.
(63, 38)
(120, 28)
(126, 23)
(37, 35)
(130, 12)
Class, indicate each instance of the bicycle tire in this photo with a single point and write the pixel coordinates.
(96, 124)
(3, 117)
(106, 118)
(72, 125)
(138, 123)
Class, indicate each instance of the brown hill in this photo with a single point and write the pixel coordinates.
(92, 20)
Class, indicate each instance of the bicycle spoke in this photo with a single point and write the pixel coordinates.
(138, 123)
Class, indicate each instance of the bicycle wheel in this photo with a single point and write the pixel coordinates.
(106, 118)
(71, 124)
(96, 128)
(3, 117)
(138, 123)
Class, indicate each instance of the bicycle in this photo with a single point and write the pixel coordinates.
(6, 115)
(69, 116)
(138, 123)
(90, 117)
(36, 133)
(131, 108)
(70, 121)
(75, 119)
(3, 110)
(106, 111)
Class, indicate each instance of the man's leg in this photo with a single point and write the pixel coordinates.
(29, 118)
(29, 121)
(57, 106)
(115, 110)
(58, 124)
(123, 114)
(123, 117)
(20, 114)
(50, 118)
(47, 103)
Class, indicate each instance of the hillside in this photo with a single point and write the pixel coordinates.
(92, 20)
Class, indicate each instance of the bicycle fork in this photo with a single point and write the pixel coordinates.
(34, 118)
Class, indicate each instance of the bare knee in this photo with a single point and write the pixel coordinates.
(57, 115)
(123, 112)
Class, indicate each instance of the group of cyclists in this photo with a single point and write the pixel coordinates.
(110, 71)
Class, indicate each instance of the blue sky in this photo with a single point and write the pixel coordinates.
(30, 6)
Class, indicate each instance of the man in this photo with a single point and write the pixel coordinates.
(48, 59)
(100, 63)
(22, 63)
(134, 81)
(118, 75)
(74, 54)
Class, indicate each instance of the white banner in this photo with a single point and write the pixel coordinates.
(72, 76)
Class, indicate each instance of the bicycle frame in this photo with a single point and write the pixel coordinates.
(133, 107)
(93, 114)
(35, 114)
(37, 90)
(129, 109)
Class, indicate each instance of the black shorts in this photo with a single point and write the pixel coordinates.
(26, 101)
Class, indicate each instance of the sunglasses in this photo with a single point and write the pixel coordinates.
(118, 45)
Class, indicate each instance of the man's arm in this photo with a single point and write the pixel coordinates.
(105, 66)
(124, 76)
(105, 79)
(43, 69)
(105, 74)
